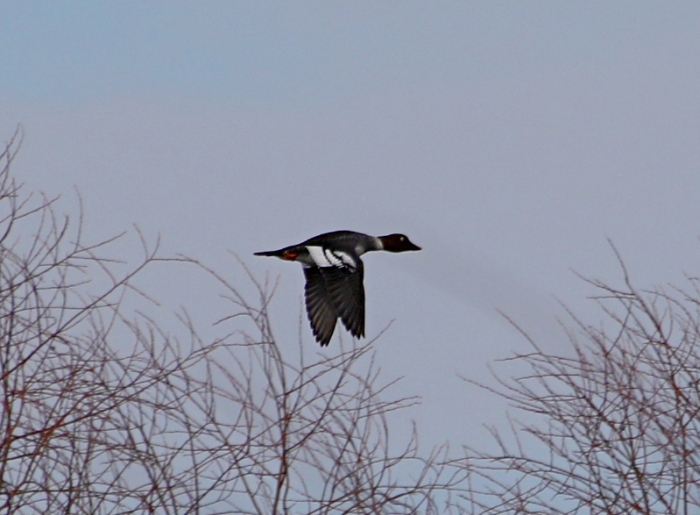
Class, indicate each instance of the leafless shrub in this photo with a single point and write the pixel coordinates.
(104, 411)
(618, 429)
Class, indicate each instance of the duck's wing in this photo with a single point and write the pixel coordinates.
(347, 295)
(343, 273)
(319, 308)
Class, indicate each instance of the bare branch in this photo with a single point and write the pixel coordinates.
(105, 411)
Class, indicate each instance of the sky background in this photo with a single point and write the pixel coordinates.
(510, 140)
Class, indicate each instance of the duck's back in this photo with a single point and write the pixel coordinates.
(346, 241)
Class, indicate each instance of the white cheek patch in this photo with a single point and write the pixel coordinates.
(325, 258)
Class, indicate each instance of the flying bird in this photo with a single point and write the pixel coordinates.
(334, 273)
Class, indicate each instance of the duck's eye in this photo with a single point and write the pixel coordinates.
(402, 238)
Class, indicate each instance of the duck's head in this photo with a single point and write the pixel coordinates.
(397, 243)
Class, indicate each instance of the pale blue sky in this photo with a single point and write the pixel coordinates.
(263, 52)
(509, 139)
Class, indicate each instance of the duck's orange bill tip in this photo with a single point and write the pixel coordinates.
(290, 255)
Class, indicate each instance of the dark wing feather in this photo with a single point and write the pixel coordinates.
(321, 312)
(347, 295)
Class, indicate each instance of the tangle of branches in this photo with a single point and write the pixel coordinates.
(104, 411)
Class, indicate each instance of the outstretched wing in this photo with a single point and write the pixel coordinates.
(347, 294)
(321, 312)
(343, 273)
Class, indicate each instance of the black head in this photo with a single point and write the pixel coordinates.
(397, 243)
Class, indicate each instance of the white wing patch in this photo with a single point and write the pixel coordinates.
(325, 258)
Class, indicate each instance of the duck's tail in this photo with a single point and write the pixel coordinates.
(275, 253)
(288, 254)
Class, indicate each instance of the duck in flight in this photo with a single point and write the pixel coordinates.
(334, 274)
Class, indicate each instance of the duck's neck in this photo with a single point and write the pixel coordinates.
(375, 244)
